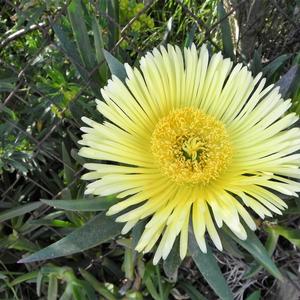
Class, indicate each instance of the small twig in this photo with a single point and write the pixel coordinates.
(21, 32)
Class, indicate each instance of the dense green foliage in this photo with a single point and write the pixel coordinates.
(52, 67)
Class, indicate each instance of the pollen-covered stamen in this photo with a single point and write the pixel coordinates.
(191, 147)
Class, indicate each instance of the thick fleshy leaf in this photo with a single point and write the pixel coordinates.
(256, 64)
(254, 296)
(115, 67)
(226, 31)
(19, 211)
(137, 232)
(76, 17)
(97, 204)
(209, 268)
(99, 45)
(291, 234)
(98, 286)
(173, 261)
(113, 21)
(270, 246)
(254, 246)
(70, 50)
(190, 36)
(270, 69)
(96, 231)
(289, 82)
(192, 292)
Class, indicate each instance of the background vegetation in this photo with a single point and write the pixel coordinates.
(52, 66)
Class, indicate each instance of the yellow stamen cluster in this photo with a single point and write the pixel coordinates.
(191, 147)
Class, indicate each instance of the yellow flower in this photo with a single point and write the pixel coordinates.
(189, 137)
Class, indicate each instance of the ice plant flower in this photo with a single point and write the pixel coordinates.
(188, 137)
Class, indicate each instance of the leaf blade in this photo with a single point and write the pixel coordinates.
(83, 238)
(226, 31)
(210, 270)
(19, 211)
(253, 245)
(115, 66)
(98, 204)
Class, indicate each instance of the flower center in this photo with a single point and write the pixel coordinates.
(191, 147)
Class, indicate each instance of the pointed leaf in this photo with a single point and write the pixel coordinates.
(190, 36)
(98, 286)
(76, 17)
(270, 69)
(99, 46)
(19, 211)
(113, 21)
(192, 292)
(256, 64)
(226, 31)
(291, 234)
(173, 261)
(70, 50)
(289, 82)
(254, 246)
(115, 66)
(254, 296)
(270, 245)
(209, 268)
(98, 204)
(68, 170)
(96, 231)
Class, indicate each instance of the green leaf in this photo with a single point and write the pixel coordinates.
(128, 263)
(76, 17)
(70, 50)
(173, 261)
(149, 283)
(6, 85)
(289, 82)
(68, 170)
(256, 64)
(254, 296)
(97, 204)
(113, 21)
(291, 234)
(115, 66)
(99, 46)
(209, 268)
(190, 36)
(193, 293)
(24, 278)
(137, 232)
(226, 31)
(292, 211)
(14, 241)
(270, 69)
(98, 286)
(253, 245)
(96, 231)
(19, 211)
(270, 245)
(52, 287)
(231, 247)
